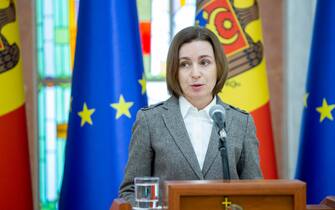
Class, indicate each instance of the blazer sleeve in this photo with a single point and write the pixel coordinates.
(139, 159)
(248, 165)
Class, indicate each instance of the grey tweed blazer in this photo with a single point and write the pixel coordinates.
(160, 147)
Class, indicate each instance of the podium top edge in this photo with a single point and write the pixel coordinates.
(257, 182)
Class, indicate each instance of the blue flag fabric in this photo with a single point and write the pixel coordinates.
(108, 89)
(316, 161)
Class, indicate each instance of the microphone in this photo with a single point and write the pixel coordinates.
(218, 115)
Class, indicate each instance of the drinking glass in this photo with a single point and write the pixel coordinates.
(146, 192)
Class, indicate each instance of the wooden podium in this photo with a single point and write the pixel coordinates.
(248, 194)
(255, 194)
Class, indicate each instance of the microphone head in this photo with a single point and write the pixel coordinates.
(218, 115)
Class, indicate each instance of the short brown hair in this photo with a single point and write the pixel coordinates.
(188, 35)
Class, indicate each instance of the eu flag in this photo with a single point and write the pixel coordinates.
(316, 161)
(108, 88)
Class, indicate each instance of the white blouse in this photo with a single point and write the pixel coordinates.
(199, 126)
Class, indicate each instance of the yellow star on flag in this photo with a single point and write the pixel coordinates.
(143, 84)
(305, 99)
(325, 110)
(122, 107)
(85, 115)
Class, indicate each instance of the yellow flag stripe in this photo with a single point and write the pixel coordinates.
(11, 90)
(11, 81)
(248, 90)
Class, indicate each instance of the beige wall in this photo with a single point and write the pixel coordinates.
(25, 11)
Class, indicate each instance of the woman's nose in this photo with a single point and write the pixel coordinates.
(195, 72)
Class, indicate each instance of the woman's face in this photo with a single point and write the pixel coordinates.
(197, 72)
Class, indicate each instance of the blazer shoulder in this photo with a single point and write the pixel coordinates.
(159, 106)
(238, 110)
(152, 112)
(152, 107)
(232, 108)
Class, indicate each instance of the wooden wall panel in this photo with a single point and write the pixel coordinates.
(272, 22)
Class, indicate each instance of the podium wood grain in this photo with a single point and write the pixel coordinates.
(249, 194)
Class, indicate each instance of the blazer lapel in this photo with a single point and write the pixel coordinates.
(212, 150)
(175, 124)
(213, 146)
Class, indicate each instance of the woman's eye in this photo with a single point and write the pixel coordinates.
(184, 64)
(205, 62)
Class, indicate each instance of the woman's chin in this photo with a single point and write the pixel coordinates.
(198, 96)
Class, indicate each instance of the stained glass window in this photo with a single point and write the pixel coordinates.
(54, 77)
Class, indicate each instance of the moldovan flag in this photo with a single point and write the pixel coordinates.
(238, 26)
(15, 182)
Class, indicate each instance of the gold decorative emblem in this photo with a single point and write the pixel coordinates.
(228, 205)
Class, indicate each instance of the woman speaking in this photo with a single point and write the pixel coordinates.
(177, 139)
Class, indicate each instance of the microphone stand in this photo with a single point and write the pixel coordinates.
(224, 154)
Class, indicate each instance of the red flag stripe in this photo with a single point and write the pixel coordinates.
(262, 119)
(15, 178)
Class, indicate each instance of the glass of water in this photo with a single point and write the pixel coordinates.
(146, 192)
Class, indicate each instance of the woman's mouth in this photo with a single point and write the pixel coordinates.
(196, 86)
